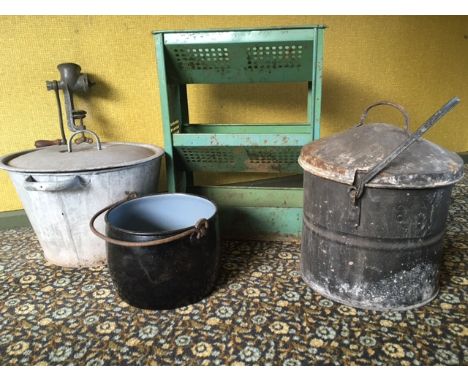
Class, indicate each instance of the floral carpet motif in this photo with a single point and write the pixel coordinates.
(261, 313)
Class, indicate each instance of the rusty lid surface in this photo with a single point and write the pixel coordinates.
(423, 165)
(84, 157)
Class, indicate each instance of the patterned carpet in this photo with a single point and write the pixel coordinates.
(260, 313)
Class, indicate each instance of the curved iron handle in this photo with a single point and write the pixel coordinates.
(198, 231)
(98, 141)
(357, 189)
(76, 182)
(387, 103)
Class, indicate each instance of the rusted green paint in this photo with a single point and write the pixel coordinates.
(246, 129)
(257, 140)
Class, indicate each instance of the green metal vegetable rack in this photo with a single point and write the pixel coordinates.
(259, 209)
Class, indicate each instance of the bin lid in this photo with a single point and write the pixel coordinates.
(84, 157)
(423, 165)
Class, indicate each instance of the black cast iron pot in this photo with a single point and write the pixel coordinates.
(162, 250)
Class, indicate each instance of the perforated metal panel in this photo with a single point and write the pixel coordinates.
(274, 57)
(202, 58)
(274, 155)
(239, 159)
(206, 155)
(240, 56)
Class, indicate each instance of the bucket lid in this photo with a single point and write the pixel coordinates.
(84, 157)
(423, 165)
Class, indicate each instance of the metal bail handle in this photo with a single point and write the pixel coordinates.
(386, 103)
(98, 141)
(362, 179)
(198, 231)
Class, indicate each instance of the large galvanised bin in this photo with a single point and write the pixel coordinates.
(61, 190)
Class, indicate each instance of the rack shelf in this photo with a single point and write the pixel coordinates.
(292, 54)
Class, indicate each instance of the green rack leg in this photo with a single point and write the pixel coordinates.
(165, 114)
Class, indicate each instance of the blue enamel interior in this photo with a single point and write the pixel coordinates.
(160, 213)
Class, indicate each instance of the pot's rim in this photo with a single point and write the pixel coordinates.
(158, 233)
(157, 153)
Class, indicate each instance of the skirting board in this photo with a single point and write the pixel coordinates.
(13, 219)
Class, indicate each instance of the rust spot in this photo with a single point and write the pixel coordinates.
(262, 167)
(309, 156)
(214, 140)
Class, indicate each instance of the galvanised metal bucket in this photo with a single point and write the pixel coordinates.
(162, 250)
(61, 190)
(374, 216)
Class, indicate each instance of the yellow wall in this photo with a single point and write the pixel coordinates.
(419, 62)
